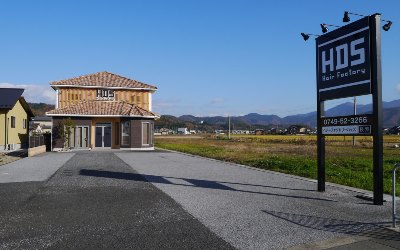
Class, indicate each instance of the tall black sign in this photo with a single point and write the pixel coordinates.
(343, 61)
(349, 64)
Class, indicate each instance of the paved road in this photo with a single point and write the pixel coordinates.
(153, 200)
(38, 168)
(96, 201)
(254, 209)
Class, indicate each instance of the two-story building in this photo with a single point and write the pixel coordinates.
(15, 114)
(106, 110)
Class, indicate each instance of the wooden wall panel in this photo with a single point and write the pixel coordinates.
(71, 96)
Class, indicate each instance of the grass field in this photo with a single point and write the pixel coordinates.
(296, 155)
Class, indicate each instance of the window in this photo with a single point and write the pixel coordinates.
(138, 99)
(24, 123)
(133, 99)
(12, 121)
(125, 133)
(147, 130)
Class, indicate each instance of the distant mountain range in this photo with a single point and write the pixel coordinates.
(391, 115)
(40, 109)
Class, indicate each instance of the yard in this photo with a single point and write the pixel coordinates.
(296, 155)
(7, 157)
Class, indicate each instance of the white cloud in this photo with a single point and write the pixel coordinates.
(166, 106)
(34, 92)
(217, 100)
(398, 87)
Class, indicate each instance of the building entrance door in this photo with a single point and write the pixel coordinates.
(79, 137)
(103, 135)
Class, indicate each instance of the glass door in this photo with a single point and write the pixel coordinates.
(99, 137)
(107, 136)
(103, 135)
(79, 137)
(85, 137)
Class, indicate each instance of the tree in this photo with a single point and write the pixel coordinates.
(64, 130)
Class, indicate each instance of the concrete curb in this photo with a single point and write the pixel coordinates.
(363, 192)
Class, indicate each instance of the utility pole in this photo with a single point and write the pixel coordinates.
(355, 112)
(229, 127)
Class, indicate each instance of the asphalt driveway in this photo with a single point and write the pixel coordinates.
(96, 201)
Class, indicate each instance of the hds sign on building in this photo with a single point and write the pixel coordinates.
(343, 61)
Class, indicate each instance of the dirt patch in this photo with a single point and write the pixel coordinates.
(7, 157)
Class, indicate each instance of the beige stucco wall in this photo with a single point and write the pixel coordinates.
(2, 129)
(36, 150)
(16, 134)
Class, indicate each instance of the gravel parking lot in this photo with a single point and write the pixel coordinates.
(168, 200)
(255, 209)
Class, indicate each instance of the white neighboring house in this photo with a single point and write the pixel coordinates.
(36, 129)
(40, 124)
(184, 131)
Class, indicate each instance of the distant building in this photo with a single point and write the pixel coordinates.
(15, 114)
(40, 124)
(297, 129)
(240, 132)
(164, 131)
(183, 131)
(394, 130)
(259, 132)
(303, 130)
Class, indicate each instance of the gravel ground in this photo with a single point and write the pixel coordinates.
(254, 209)
(37, 168)
(96, 201)
(166, 200)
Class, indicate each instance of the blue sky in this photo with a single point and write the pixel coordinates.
(207, 57)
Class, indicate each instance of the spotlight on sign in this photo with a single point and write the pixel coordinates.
(305, 36)
(386, 27)
(324, 28)
(346, 17)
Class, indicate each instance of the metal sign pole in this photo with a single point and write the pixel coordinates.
(320, 137)
(320, 148)
(376, 76)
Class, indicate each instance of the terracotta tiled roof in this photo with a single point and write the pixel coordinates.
(103, 79)
(102, 108)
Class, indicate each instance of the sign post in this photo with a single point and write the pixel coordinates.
(349, 64)
(376, 75)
